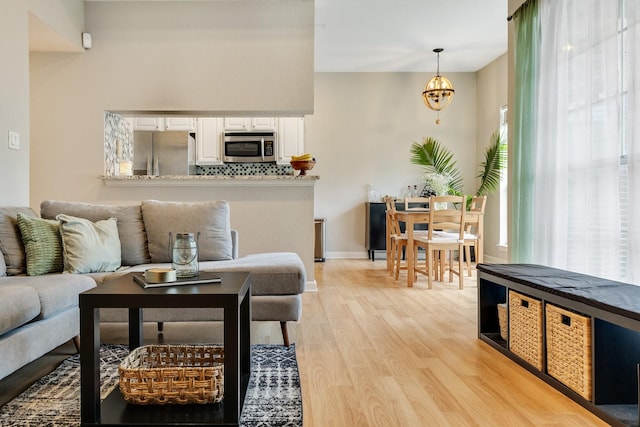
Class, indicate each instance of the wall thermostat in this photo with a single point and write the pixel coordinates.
(86, 40)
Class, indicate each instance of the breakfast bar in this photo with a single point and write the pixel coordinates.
(282, 201)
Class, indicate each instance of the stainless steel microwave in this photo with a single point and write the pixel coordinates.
(249, 147)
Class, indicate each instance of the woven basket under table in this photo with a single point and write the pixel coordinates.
(173, 374)
(569, 349)
(525, 328)
(503, 321)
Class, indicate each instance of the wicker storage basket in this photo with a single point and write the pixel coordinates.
(175, 374)
(569, 349)
(503, 322)
(525, 328)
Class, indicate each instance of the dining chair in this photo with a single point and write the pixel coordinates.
(445, 235)
(473, 231)
(424, 201)
(397, 239)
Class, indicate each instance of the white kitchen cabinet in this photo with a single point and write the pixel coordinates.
(263, 123)
(237, 123)
(290, 138)
(180, 123)
(208, 140)
(249, 123)
(147, 123)
(164, 123)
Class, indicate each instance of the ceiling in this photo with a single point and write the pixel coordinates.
(400, 35)
(384, 35)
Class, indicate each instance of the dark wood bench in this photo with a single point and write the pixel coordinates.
(613, 311)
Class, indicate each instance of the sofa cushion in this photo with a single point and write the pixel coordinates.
(18, 305)
(56, 292)
(89, 246)
(210, 219)
(42, 244)
(10, 239)
(272, 273)
(3, 266)
(133, 238)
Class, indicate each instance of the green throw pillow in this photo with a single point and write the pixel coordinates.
(89, 247)
(42, 244)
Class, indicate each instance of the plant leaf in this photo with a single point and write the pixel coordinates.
(495, 160)
(437, 159)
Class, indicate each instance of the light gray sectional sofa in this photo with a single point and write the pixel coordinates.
(39, 286)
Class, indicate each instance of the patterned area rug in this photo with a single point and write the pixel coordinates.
(273, 396)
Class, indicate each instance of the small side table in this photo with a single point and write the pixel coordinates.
(233, 295)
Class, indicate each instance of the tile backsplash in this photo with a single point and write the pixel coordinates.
(116, 128)
(245, 169)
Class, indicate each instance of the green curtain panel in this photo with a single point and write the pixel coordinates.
(527, 31)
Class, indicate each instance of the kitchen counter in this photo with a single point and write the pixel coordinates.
(262, 206)
(210, 180)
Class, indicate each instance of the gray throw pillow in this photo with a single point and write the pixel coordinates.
(89, 247)
(210, 219)
(133, 239)
(3, 266)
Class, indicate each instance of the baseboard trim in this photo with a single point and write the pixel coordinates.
(311, 286)
(494, 260)
(381, 256)
(353, 255)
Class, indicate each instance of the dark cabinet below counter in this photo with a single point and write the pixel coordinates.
(375, 235)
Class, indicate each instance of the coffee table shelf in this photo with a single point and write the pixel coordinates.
(115, 411)
(233, 295)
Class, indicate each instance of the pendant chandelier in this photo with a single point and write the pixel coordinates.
(438, 92)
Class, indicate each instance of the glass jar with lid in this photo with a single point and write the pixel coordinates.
(184, 255)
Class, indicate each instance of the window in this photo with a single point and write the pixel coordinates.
(504, 131)
(579, 146)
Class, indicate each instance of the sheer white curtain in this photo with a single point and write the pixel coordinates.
(587, 161)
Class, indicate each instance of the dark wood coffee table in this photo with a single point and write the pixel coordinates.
(233, 295)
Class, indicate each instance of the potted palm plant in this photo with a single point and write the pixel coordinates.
(440, 165)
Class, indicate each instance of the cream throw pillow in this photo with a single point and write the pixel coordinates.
(89, 247)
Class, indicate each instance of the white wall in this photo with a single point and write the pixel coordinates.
(56, 25)
(492, 94)
(63, 19)
(14, 103)
(210, 56)
(361, 132)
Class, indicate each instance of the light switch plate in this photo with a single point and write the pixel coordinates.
(14, 140)
(86, 40)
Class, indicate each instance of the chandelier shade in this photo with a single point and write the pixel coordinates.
(439, 91)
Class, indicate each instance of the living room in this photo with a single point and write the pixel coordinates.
(337, 133)
(363, 332)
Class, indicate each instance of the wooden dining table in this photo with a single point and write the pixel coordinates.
(413, 217)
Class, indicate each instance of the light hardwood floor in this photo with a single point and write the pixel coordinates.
(372, 352)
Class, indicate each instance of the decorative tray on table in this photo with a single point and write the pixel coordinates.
(202, 278)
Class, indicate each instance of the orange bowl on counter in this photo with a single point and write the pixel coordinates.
(303, 165)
